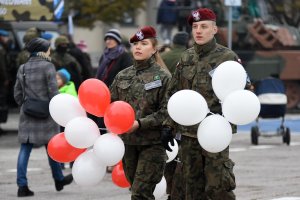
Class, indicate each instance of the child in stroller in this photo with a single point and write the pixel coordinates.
(273, 100)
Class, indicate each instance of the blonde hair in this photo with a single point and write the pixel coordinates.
(157, 56)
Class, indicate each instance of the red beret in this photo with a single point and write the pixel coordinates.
(144, 33)
(201, 14)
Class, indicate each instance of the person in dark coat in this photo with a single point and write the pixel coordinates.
(61, 58)
(40, 82)
(167, 18)
(114, 59)
(4, 78)
(83, 59)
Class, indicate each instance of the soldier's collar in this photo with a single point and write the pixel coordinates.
(203, 49)
(143, 64)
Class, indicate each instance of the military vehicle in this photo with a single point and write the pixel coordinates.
(266, 36)
(269, 50)
(17, 16)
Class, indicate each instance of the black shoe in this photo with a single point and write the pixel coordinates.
(24, 191)
(59, 185)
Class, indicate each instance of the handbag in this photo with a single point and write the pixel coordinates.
(34, 107)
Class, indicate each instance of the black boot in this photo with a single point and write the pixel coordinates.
(24, 191)
(59, 185)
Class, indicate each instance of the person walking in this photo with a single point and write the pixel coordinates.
(207, 175)
(143, 85)
(180, 44)
(36, 79)
(114, 59)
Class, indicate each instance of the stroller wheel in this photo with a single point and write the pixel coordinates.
(286, 137)
(254, 135)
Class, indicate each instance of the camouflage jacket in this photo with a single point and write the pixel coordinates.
(192, 72)
(143, 86)
(22, 57)
(172, 57)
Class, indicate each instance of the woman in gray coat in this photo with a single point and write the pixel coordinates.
(40, 77)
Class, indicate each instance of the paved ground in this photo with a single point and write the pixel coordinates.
(268, 171)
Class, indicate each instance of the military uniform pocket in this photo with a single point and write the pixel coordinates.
(228, 176)
(188, 72)
(124, 85)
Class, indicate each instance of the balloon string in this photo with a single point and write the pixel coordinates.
(103, 129)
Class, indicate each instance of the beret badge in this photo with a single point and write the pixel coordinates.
(196, 16)
(140, 35)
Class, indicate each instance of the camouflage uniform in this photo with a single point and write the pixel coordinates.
(143, 86)
(65, 60)
(207, 175)
(172, 57)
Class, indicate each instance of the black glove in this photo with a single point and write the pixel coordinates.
(166, 137)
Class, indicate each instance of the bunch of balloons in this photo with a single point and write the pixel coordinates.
(239, 107)
(81, 141)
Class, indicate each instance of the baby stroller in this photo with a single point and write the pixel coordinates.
(273, 100)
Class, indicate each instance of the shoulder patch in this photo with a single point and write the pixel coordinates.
(156, 77)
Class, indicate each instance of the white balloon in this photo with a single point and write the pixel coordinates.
(172, 155)
(87, 170)
(227, 77)
(160, 189)
(64, 107)
(214, 133)
(81, 132)
(187, 107)
(109, 148)
(241, 107)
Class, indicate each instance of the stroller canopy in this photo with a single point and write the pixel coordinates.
(271, 91)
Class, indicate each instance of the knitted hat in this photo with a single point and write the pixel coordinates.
(144, 33)
(201, 14)
(64, 74)
(181, 38)
(38, 45)
(115, 34)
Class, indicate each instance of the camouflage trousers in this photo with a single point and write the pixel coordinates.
(143, 167)
(208, 176)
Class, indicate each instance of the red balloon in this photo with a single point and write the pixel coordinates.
(119, 117)
(94, 96)
(118, 176)
(61, 151)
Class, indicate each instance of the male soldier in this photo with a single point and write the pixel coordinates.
(30, 34)
(62, 59)
(207, 176)
(180, 43)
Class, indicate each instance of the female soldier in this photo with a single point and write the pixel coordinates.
(143, 86)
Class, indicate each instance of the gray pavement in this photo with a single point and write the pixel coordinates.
(268, 171)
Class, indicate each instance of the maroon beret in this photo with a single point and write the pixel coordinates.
(201, 14)
(144, 33)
